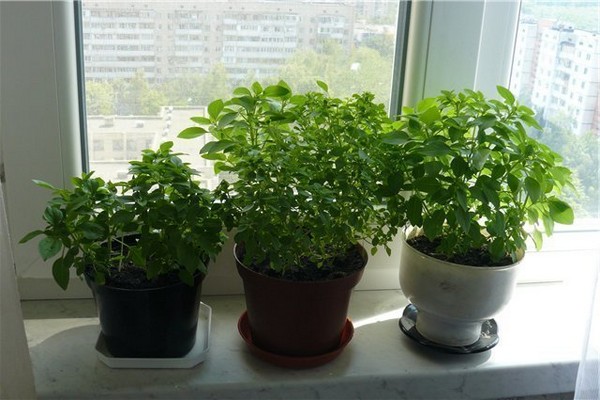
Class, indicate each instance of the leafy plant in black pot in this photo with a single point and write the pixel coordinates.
(480, 188)
(143, 246)
(305, 193)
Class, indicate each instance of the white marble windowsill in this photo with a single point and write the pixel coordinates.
(541, 334)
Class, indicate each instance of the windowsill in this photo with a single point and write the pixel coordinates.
(541, 336)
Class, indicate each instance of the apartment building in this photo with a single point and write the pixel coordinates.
(114, 140)
(167, 39)
(556, 68)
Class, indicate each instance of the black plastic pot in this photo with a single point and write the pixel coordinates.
(297, 319)
(148, 323)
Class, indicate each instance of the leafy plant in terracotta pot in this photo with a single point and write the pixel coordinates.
(305, 194)
(481, 187)
(143, 246)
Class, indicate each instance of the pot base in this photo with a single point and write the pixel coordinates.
(196, 356)
(448, 331)
(293, 361)
(487, 339)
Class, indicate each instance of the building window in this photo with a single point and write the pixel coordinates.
(117, 145)
(98, 145)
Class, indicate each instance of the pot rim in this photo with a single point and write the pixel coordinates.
(362, 250)
(411, 231)
(143, 290)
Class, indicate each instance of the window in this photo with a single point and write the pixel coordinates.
(117, 145)
(454, 45)
(573, 134)
(352, 49)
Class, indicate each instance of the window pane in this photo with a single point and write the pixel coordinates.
(556, 72)
(149, 67)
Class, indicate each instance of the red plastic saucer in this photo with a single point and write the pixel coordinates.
(292, 361)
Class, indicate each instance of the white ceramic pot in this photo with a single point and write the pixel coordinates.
(453, 300)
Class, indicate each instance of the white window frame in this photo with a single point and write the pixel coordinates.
(452, 45)
(39, 124)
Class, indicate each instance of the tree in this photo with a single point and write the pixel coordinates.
(214, 85)
(580, 153)
(383, 43)
(184, 90)
(99, 98)
(197, 89)
(346, 72)
(136, 97)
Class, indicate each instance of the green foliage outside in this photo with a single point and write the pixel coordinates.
(196, 89)
(100, 98)
(365, 68)
(580, 154)
(582, 15)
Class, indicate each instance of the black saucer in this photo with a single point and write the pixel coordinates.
(487, 340)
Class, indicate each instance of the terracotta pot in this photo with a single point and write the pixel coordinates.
(453, 300)
(148, 323)
(297, 319)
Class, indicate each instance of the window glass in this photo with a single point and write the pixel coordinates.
(556, 72)
(150, 66)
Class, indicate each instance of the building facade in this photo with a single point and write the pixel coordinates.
(556, 70)
(167, 39)
(251, 39)
(114, 140)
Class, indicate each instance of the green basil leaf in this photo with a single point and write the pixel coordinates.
(395, 137)
(538, 239)
(242, 91)
(561, 212)
(215, 108)
(463, 218)
(30, 236)
(192, 132)
(414, 210)
(533, 188)
(44, 185)
(217, 146)
(497, 248)
(427, 184)
(60, 272)
(53, 215)
(459, 166)
(435, 148)
(49, 247)
(323, 86)
(506, 94)
(276, 91)
(201, 120)
(432, 224)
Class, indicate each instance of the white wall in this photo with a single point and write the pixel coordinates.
(16, 376)
(38, 123)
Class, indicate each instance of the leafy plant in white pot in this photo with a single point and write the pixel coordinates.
(305, 194)
(481, 187)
